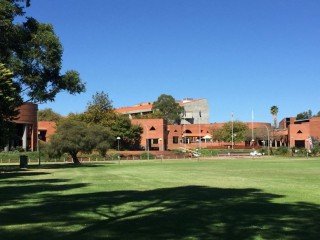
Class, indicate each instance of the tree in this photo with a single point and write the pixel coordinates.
(100, 101)
(274, 112)
(73, 136)
(100, 111)
(9, 97)
(167, 107)
(48, 114)
(33, 52)
(304, 115)
(130, 134)
(224, 133)
(9, 101)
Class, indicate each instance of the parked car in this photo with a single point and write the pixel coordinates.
(255, 153)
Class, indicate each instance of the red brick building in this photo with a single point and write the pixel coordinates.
(299, 132)
(160, 136)
(46, 129)
(25, 135)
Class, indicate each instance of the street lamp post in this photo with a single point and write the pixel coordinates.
(118, 139)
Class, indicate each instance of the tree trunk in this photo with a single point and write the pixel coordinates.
(75, 158)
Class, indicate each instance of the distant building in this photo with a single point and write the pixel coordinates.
(46, 129)
(196, 110)
(300, 132)
(26, 128)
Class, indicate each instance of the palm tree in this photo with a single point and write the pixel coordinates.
(274, 112)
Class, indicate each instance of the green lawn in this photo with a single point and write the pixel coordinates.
(218, 199)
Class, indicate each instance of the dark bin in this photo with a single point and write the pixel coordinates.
(23, 161)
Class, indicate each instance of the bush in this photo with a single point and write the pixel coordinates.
(145, 156)
(281, 151)
(301, 152)
(263, 151)
(113, 156)
(315, 150)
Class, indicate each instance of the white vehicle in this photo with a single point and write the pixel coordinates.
(255, 153)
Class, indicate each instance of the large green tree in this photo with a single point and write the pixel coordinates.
(9, 101)
(33, 52)
(9, 95)
(48, 114)
(224, 133)
(100, 111)
(73, 136)
(167, 107)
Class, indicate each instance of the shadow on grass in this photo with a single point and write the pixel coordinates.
(189, 212)
(14, 171)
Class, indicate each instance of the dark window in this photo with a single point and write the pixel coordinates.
(299, 143)
(299, 131)
(175, 140)
(152, 128)
(155, 141)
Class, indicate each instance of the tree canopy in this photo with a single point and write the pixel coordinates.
(48, 114)
(225, 132)
(167, 107)
(9, 97)
(304, 115)
(33, 53)
(100, 111)
(9, 101)
(73, 136)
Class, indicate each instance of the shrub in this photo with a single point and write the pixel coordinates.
(145, 156)
(315, 150)
(281, 151)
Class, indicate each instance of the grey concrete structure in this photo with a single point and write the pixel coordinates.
(196, 111)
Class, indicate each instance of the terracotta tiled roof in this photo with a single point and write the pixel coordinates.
(135, 109)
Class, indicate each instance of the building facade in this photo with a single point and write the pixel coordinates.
(46, 129)
(26, 129)
(196, 111)
(300, 132)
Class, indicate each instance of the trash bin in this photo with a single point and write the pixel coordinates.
(23, 161)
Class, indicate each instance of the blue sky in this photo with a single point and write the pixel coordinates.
(240, 55)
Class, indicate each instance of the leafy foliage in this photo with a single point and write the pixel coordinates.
(167, 107)
(9, 101)
(100, 111)
(224, 133)
(304, 115)
(33, 52)
(9, 97)
(48, 114)
(73, 136)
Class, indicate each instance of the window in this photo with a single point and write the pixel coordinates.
(175, 140)
(152, 128)
(155, 141)
(299, 131)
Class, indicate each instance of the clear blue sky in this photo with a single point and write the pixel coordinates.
(240, 55)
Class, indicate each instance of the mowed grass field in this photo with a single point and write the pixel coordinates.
(267, 198)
